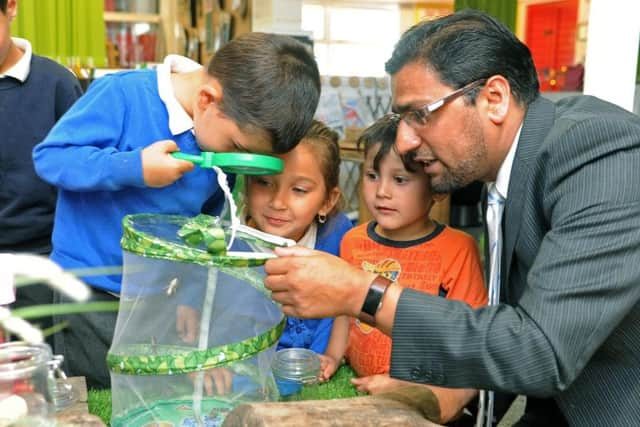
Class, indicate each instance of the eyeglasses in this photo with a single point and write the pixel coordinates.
(418, 117)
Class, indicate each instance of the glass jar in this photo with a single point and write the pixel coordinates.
(294, 367)
(61, 389)
(25, 393)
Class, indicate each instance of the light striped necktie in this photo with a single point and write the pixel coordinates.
(495, 209)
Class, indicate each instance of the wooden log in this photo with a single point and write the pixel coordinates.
(412, 406)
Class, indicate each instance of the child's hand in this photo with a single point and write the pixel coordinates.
(328, 367)
(221, 378)
(187, 323)
(159, 169)
(375, 384)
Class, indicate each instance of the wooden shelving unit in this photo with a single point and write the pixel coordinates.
(166, 19)
(131, 17)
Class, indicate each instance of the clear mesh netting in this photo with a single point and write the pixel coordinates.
(190, 311)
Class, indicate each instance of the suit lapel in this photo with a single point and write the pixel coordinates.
(537, 123)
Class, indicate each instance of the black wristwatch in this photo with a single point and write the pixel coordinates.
(373, 300)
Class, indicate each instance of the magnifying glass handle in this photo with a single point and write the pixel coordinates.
(188, 157)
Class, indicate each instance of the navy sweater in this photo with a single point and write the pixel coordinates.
(27, 112)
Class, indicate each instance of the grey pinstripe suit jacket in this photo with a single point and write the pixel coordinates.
(570, 327)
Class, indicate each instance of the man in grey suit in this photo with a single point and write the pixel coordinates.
(567, 328)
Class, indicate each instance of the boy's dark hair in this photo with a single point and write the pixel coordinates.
(383, 131)
(467, 46)
(3, 6)
(270, 83)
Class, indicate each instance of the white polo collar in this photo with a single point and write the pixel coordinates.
(21, 69)
(179, 119)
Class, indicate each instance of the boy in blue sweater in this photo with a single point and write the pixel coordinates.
(34, 93)
(110, 156)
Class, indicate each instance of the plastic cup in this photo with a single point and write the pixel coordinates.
(294, 367)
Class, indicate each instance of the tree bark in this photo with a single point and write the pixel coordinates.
(413, 406)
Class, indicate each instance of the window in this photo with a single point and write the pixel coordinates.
(351, 40)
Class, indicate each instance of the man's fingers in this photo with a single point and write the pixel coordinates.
(290, 311)
(288, 305)
(275, 282)
(276, 266)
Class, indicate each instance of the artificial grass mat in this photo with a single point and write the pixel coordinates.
(338, 387)
(99, 402)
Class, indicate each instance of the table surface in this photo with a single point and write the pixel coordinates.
(78, 413)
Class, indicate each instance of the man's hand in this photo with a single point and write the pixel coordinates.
(313, 284)
(159, 168)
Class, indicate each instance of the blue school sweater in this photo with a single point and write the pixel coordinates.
(93, 156)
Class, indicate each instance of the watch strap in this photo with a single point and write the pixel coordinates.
(373, 300)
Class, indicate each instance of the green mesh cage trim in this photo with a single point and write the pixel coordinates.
(142, 243)
(176, 360)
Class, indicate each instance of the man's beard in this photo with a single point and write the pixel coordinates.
(466, 171)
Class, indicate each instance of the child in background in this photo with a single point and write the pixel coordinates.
(300, 204)
(110, 155)
(34, 93)
(403, 244)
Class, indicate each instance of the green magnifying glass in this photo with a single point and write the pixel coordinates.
(237, 163)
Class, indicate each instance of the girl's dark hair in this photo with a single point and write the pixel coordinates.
(323, 141)
(270, 83)
(466, 46)
(383, 131)
(3, 6)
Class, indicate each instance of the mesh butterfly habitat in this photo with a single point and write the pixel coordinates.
(194, 313)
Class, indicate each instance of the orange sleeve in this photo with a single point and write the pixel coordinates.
(463, 277)
(346, 245)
